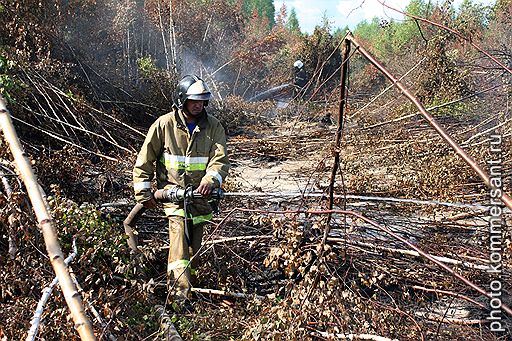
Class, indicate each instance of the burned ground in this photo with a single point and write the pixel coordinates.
(268, 249)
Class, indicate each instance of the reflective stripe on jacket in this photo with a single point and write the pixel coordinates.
(180, 159)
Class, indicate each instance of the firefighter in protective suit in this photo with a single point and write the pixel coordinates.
(300, 78)
(184, 147)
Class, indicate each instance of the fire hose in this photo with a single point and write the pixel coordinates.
(187, 195)
(175, 195)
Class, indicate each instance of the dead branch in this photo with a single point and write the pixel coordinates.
(451, 293)
(91, 307)
(474, 144)
(301, 195)
(53, 135)
(430, 109)
(72, 297)
(486, 131)
(383, 229)
(219, 292)
(412, 253)
(444, 319)
(36, 319)
(13, 224)
(100, 136)
(339, 132)
(236, 239)
(480, 124)
(11, 218)
(505, 198)
(116, 120)
(386, 90)
(226, 293)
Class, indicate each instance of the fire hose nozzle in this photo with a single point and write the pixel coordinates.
(177, 194)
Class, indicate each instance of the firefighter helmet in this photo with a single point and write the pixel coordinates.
(298, 64)
(192, 87)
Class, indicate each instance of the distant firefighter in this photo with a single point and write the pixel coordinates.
(300, 74)
(301, 78)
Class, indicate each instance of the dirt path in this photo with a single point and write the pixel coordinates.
(289, 161)
(286, 176)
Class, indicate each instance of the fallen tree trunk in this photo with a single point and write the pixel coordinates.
(71, 295)
(226, 293)
(352, 336)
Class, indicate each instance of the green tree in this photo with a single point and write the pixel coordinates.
(409, 30)
(292, 24)
(472, 18)
(269, 11)
(339, 33)
(392, 37)
(369, 33)
(264, 8)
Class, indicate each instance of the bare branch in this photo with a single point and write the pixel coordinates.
(72, 297)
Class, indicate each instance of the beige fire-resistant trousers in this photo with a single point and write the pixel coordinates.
(181, 250)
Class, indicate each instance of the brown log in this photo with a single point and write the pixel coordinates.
(443, 319)
(451, 293)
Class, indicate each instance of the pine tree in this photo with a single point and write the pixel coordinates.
(292, 24)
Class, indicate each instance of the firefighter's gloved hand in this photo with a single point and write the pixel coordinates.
(205, 189)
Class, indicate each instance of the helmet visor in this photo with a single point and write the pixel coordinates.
(200, 97)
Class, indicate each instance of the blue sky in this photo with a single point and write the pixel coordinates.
(346, 12)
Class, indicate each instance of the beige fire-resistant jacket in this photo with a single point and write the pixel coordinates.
(182, 159)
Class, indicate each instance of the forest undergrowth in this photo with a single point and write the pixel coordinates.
(365, 282)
